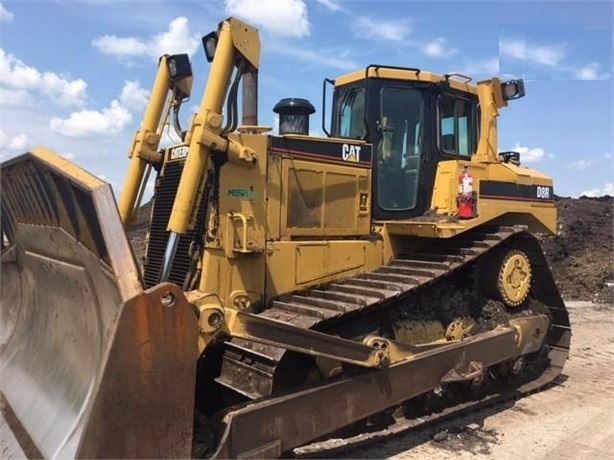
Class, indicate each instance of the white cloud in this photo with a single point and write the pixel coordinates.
(5, 15)
(527, 154)
(437, 48)
(592, 71)
(284, 18)
(16, 98)
(608, 155)
(121, 46)
(579, 165)
(177, 39)
(387, 30)
(20, 142)
(109, 121)
(549, 55)
(16, 75)
(62, 91)
(608, 189)
(331, 5)
(133, 96)
(14, 144)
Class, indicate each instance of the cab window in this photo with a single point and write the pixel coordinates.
(351, 114)
(456, 126)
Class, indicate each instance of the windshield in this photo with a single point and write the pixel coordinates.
(400, 148)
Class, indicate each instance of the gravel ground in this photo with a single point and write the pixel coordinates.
(572, 420)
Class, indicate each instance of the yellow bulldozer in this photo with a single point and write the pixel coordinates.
(293, 288)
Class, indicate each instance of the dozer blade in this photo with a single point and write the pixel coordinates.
(90, 364)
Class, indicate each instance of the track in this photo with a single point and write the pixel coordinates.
(250, 369)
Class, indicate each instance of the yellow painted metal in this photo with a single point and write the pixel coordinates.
(234, 253)
(208, 121)
(259, 329)
(395, 351)
(515, 278)
(59, 164)
(253, 251)
(408, 75)
(211, 316)
(245, 40)
(236, 152)
(296, 265)
(274, 193)
(145, 144)
(459, 328)
(531, 332)
(537, 216)
(320, 199)
(491, 100)
(21, 186)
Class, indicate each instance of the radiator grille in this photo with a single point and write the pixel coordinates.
(164, 197)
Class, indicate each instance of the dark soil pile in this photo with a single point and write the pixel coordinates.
(581, 254)
(137, 231)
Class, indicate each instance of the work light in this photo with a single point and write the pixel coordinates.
(210, 44)
(513, 89)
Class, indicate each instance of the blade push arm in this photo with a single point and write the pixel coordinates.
(235, 44)
(174, 74)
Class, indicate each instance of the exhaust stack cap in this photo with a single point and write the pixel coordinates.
(294, 115)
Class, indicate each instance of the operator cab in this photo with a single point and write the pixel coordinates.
(414, 119)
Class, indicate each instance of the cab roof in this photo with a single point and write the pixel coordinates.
(457, 81)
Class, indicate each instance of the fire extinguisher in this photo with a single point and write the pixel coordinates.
(466, 196)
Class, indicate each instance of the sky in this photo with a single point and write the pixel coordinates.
(75, 74)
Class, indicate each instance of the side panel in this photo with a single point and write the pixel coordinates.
(324, 200)
(325, 187)
(295, 265)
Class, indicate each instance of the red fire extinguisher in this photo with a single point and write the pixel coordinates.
(466, 197)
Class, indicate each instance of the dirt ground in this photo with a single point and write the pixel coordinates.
(581, 255)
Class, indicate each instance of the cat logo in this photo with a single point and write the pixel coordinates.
(350, 153)
(177, 153)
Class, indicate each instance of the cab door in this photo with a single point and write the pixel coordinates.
(400, 111)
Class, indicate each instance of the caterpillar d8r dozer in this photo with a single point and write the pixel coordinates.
(293, 288)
